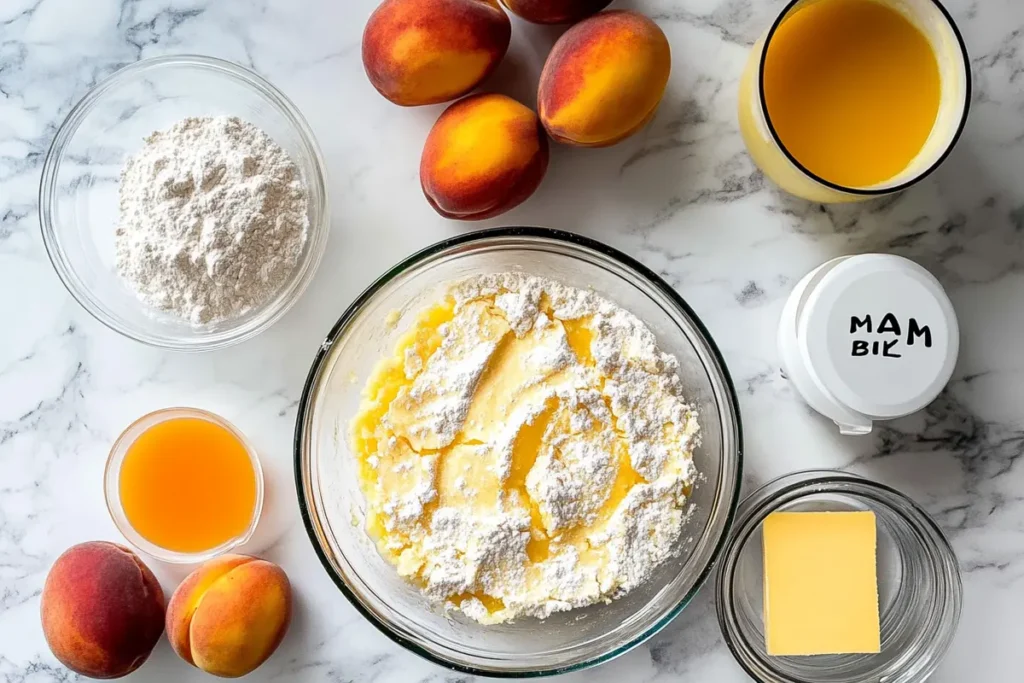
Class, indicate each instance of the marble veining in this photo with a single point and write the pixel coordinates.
(682, 196)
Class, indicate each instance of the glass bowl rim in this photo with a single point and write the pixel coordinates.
(317, 236)
(151, 549)
(485, 235)
(866, 192)
(789, 487)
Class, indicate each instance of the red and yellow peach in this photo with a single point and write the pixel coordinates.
(555, 11)
(102, 610)
(429, 51)
(604, 79)
(229, 615)
(485, 154)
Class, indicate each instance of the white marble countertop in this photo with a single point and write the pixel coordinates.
(682, 196)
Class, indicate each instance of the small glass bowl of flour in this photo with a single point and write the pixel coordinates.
(183, 203)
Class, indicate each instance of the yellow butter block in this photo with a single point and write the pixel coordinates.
(820, 583)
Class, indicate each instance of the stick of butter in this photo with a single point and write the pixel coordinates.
(820, 583)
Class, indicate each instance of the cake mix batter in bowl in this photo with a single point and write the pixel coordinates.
(526, 449)
(335, 509)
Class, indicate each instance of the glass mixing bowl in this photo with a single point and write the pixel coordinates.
(333, 506)
(78, 195)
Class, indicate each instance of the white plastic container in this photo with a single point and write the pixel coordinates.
(867, 338)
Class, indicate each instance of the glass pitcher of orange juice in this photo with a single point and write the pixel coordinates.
(842, 100)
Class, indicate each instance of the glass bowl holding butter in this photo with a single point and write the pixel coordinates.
(336, 511)
(884, 581)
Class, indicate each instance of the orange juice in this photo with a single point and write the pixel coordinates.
(852, 89)
(188, 485)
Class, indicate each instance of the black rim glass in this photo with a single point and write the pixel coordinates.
(865, 192)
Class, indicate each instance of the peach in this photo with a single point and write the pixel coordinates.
(229, 615)
(604, 79)
(486, 154)
(102, 610)
(555, 11)
(428, 51)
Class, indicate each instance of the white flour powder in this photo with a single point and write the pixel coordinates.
(213, 219)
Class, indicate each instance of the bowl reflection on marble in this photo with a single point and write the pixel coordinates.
(78, 195)
(333, 507)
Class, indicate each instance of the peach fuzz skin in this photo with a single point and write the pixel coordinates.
(486, 154)
(554, 11)
(228, 616)
(604, 79)
(102, 610)
(418, 52)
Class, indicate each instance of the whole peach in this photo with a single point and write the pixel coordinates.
(102, 610)
(428, 51)
(555, 11)
(229, 615)
(604, 79)
(486, 154)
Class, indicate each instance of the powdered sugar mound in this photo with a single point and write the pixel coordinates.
(572, 476)
(439, 398)
(464, 553)
(552, 355)
(644, 390)
(403, 510)
(442, 392)
(520, 309)
(641, 535)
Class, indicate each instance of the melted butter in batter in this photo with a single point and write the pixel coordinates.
(514, 444)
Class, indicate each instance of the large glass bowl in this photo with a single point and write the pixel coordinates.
(78, 195)
(333, 506)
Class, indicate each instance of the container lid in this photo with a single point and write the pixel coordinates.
(879, 335)
(919, 586)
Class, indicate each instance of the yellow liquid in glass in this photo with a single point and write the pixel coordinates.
(852, 88)
(188, 485)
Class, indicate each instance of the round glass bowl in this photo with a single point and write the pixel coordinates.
(78, 195)
(333, 506)
(112, 486)
(919, 587)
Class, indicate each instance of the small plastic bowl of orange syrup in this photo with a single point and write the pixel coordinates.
(183, 485)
